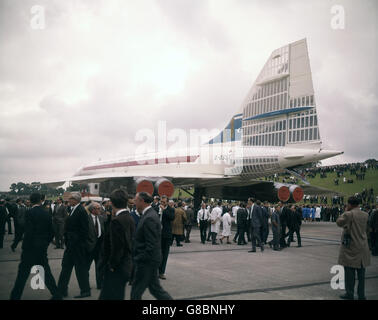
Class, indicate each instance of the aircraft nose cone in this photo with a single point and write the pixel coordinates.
(324, 154)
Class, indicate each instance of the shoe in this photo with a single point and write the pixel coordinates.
(228, 242)
(83, 295)
(57, 248)
(215, 243)
(234, 240)
(277, 249)
(221, 241)
(186, 241)
(362, 298)
(346, 297)
(56, 297)
(13, 249)
(162, 276)
(179, 245)
(262, 248)
(254, 250)
(270, 245)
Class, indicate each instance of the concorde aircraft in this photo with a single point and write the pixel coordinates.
(275, 130)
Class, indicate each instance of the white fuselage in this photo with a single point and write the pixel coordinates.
(226, 159)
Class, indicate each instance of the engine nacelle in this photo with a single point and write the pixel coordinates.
(164, 187)
(296, 193)
(144, 185)
(283, 192)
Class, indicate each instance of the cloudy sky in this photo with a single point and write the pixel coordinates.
(80, 88)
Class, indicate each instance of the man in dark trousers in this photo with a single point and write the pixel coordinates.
(147, 251)
(75, 255)
(265, 221)
(117, 252)
(188, 223)
(19, 224)
(241, 223)
(59, 216)
(202, 218)
(276, 229)
(295, 225)
(248, 222)
(95, 238)
(255, 219)
(3, 220)
(38, 235)
(12, 212)
(284, 217)
(167, 216)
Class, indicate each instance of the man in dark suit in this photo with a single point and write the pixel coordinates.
(241, 223)
(189, 222)
(3, 220)
(295, 225)
(155, 204)
(75, 255)
(19, 224)
(38, 235)
(59, 215)
(117, 250)
(133, 212)
(12, 212)
(265, 218)
(284, 218)
(255, 218)
(95, 238)
(167, 216)
(147, 251)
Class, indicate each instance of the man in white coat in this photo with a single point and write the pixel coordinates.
(215, 219)
(318, 210)
(226, 233)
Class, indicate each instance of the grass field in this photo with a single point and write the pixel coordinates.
(346, 189)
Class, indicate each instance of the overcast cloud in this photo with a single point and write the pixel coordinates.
(79, 89)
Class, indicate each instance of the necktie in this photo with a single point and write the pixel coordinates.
(203, 214)
(96, 226)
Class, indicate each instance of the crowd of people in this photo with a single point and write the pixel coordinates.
(129, 238)
(122, 237)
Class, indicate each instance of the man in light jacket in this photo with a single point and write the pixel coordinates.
(355, 257)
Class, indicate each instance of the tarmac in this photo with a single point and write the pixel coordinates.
(199, 271)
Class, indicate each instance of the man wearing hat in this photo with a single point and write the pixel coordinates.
(75, 255)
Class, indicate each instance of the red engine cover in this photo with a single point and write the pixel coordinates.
(145, 186)
(283, 193)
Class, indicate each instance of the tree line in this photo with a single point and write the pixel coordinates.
(26, 189)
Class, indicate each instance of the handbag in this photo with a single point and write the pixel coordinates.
(347, 238)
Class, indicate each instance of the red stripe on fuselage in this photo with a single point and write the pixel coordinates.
(134, 163)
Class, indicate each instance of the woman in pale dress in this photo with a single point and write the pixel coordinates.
(226, 233)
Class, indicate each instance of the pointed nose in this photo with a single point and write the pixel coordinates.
(324, 154)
